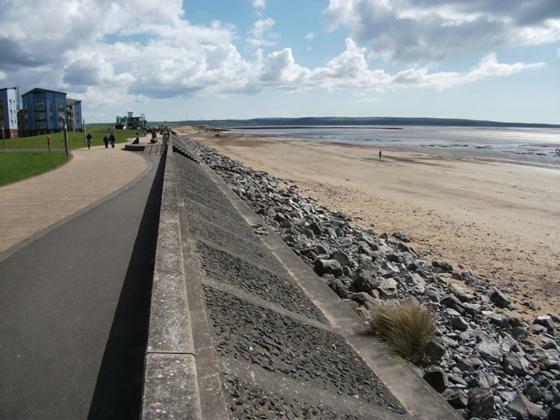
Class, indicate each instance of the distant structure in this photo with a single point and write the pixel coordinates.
(130, 121)
(74, 114)
(8, 113)
(44, 111)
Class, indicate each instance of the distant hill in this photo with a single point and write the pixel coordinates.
(356, 121)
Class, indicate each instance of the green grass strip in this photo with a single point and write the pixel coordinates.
(75, 140)
(17, 166)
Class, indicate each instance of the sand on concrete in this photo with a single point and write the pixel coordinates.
(32, 205)
(500, 220)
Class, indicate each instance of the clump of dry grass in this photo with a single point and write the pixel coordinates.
(408, 327)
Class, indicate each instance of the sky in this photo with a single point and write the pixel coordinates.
(216, 59)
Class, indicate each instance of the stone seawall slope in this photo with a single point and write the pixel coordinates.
(241, 327)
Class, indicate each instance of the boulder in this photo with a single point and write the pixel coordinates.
(458, 323)
(323, 267)
(342, 258)
(437, 378)
(554, 412)
(338, 286)
(387, 287)
(456, 398)
(523, 409)
(514, 364)
(489, 349)
(442, 266)
(401, 236)
(482, 403)
(451, 301)
(365, 281)
(499, 299)
(435, 351)
(416, 283)
(486, 380)
(545, 321)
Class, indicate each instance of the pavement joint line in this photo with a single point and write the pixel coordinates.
(37, 235)
(276, 307)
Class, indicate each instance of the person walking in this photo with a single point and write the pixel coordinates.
(380, 154)
(89, 139)
(106, 141)
(112, 140)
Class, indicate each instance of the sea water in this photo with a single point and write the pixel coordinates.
(537, 145)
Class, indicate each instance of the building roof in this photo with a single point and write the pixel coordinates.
(41, 90)
(6, 88)
(73, 101)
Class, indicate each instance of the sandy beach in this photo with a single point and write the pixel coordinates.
(498, 219)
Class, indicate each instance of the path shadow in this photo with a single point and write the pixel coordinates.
(118, 390)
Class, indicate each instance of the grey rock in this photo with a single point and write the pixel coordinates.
(417, 283)
(533, 391)
(338, 286)
(490, 350)
(451, 301)
(435, 351)
(365, 281)
(342, 258)
(523, 409)
(486, 380)
(442, 266)
(366, 300)
(328, 267)
(482, 403)
(515, 364)
(519, 333)
(456, 398)
(554, 412)
(458, 323)
(437, 378)
(499, 299)
(469, 364)
(545, 321)
(387, 287)
(401, 236)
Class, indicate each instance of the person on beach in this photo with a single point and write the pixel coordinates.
(106, 141)
(112, 140)
(380, 154)
(89, 139)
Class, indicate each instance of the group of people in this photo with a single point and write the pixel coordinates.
(110, 138)
(106, 140)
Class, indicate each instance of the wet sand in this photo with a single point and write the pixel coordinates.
(498, 219)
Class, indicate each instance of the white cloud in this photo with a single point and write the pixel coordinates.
(488, 67)
(309, 36)
(156, 53)
(261, 35)
(259, 4)
(280, 68)
(433, 29)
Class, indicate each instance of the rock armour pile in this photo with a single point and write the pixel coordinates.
(491, 364)
(276, 355)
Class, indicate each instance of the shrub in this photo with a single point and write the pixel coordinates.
(408, 327)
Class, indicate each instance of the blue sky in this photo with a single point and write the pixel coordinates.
(195, 59)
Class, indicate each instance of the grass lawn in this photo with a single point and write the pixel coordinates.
(75, 140)
(16, 166)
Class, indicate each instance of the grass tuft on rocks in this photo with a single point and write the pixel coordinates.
(408, 327)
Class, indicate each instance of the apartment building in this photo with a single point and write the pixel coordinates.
(74, 114)
(44, 111)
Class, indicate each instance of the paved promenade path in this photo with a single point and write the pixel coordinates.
(30, 206)
(74, 302)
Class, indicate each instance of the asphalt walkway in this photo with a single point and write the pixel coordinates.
(30, 206)
(74, 310)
